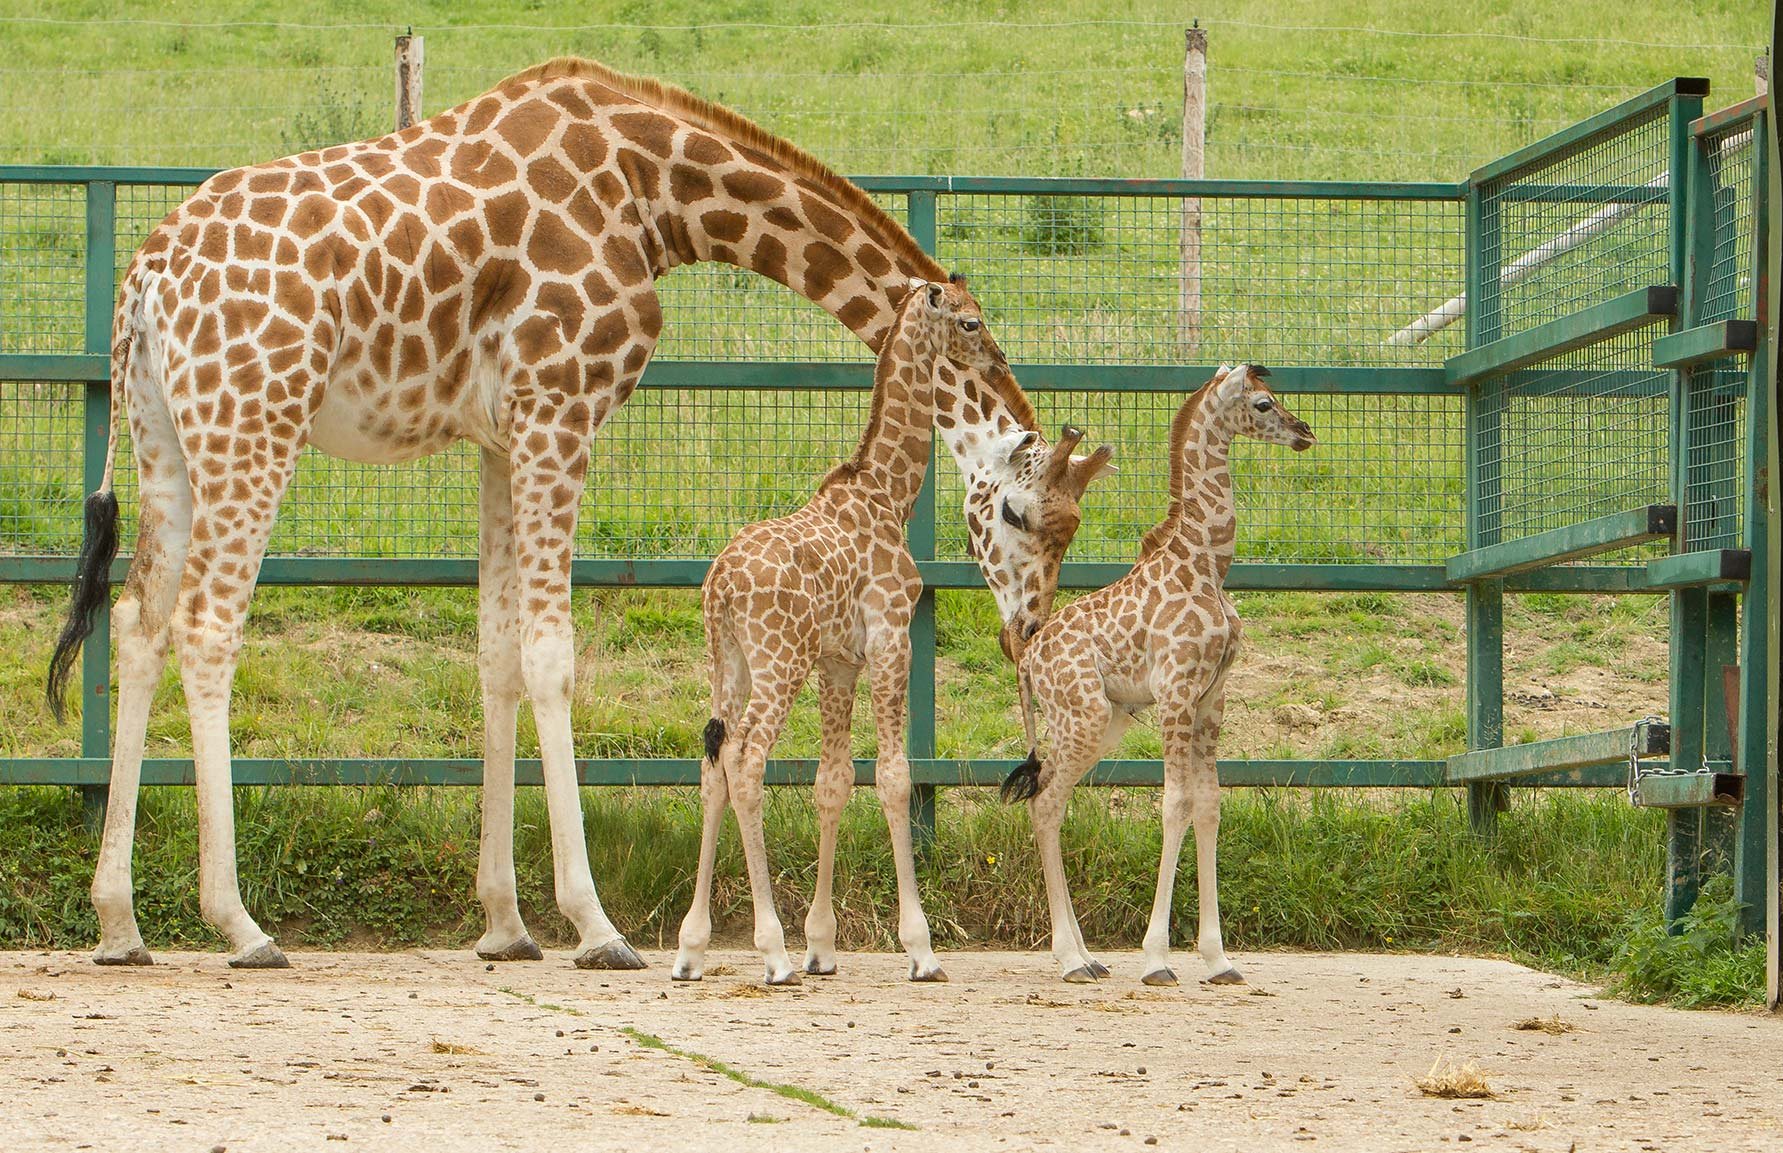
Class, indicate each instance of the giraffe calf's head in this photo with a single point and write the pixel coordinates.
(1021, 516)
(1255, 411)
(959, 323)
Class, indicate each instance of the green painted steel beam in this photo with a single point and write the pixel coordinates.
(1587, 132)
(1748, 109)
(1587, 538)
(72, 367)
(940, 574)
(1587, 749)
(1691, 791)
(1704, 567)
(1562, 335)
(1014, 185)
(1705, 342)
(938, 771)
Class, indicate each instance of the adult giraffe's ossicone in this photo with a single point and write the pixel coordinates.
(485, 275)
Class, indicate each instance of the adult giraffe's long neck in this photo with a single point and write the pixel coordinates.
(1203, 517)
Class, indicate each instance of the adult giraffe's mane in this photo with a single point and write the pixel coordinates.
(746, 133)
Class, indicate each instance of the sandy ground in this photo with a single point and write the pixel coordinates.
(433, 1051)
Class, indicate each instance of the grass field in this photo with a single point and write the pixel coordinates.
(1295, 92)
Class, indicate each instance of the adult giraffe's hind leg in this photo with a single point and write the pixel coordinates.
(236, 495)
(498, 664)
(835, 781)
(140, 621)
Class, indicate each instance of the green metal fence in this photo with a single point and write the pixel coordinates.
(1485, 457)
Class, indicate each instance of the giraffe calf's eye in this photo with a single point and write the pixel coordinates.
(1011, 517)
(1263, 404)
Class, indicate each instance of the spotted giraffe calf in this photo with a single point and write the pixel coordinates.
(1164, 634)
(833, 587)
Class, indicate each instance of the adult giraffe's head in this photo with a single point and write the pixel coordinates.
(1021, 515)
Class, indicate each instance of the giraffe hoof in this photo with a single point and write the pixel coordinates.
(1163, 976)
(267, 956)
(1097, 968)
(936, 975)
(525, 949)
(818, 968)
(790, 977)
(1082, 975)
(1225, 977)
(615, 954)
(135, 955)
(678, 973)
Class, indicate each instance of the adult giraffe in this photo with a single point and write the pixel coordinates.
(486, 275)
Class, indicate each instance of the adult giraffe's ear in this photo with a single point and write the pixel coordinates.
(916, 282)
(1013, 447)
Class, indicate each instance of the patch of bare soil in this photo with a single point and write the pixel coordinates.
(437, 1050)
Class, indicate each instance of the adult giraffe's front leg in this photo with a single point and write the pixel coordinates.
(498, 665)
(549, 462)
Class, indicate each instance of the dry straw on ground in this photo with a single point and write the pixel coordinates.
(1550, 1025)
(1449, 1080)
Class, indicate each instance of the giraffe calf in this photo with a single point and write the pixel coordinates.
(1164, 634)
(833, 587)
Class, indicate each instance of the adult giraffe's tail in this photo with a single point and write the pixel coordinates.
(99, 535)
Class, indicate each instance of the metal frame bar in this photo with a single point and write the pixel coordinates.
(1564, 334)
(1575, 752)
(1705, 342)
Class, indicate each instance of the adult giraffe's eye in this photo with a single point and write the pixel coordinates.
(969, 325)
(1011, 517)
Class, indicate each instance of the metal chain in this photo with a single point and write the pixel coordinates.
(1637, 740)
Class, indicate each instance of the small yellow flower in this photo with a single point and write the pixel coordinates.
(990, 858)
(1256, 908)
(1389, 938)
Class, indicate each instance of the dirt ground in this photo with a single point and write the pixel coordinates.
(433, 1050)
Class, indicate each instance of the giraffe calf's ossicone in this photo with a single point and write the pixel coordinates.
(1165, 634)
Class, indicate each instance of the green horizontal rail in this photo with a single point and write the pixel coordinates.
(1560, 753)
(1584, 195)
(1733, 114)
(843, 374)
(1245, 576)
(1585, 133)
(1691, 791)
(1705, 567)
(1409, 774)
(1017, 185)
(1562, 335)
(1705, 342)
(1587, 538)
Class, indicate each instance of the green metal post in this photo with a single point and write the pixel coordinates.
(1721, 825)
(921, 741)
(1690, 611)
(1753, 753)
(1485, 598)
(101, 287)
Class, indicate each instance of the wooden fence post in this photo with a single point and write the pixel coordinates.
(408, 80)
(1194, 161)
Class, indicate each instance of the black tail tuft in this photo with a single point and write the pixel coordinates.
(1023, 782)
(92, 591)
(714, 739)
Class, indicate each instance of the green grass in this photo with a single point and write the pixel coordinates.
(791, 1092)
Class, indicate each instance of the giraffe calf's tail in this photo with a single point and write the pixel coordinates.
(1023, 782)
(714, 739)
(99, 535)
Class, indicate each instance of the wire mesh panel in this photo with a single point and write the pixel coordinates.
(1715, 392)
(1583, 435)
(40, 467)
(1098, 279)
(43, 248)
(1578, 228)
(1382, 486)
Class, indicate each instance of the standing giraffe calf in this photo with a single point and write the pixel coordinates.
(1164, 634)
(833, 587)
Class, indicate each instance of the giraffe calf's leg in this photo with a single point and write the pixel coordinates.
(835, 782)
(696, 927)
